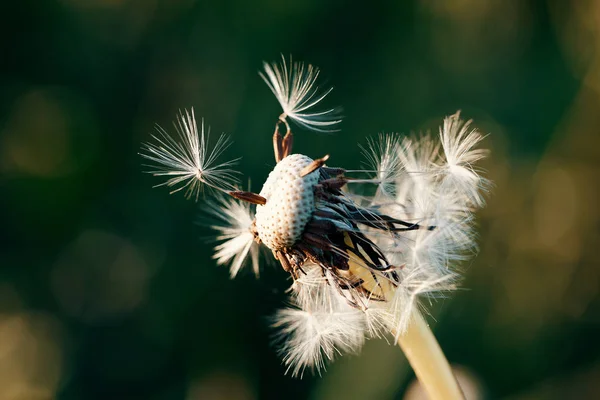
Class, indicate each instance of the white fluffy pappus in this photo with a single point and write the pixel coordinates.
(415, 287)
(318, 326)
(295, 88)
(426, 196)
(459, 143)
(382, 155)
(233, 222)
(309, 338)
(187, 160)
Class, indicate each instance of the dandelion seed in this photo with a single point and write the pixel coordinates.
(234, 222)
(295, 89)
(417, 155)
(459, 141)
(187, 160)
(383, 156)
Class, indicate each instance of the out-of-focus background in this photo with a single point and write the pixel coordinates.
(107, 286)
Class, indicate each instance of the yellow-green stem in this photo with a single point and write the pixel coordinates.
(428, 361)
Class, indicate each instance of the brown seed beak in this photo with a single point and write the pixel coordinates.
(316, 164)
(248, 196)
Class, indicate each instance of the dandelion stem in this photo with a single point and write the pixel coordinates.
(428, 361)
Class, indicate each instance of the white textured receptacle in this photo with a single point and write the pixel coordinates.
(290, 202)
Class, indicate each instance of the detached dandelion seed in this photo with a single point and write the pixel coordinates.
(295, 88)
(361, 265)
(187, 160)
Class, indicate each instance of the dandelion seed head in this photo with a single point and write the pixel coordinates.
(362, 265)
(295, 88)
(186, 159)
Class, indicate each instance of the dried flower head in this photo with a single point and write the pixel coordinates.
(360, 264)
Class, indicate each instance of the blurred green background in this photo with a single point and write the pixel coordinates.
(107, 286)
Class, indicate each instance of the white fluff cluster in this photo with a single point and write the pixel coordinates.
(320, 326)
